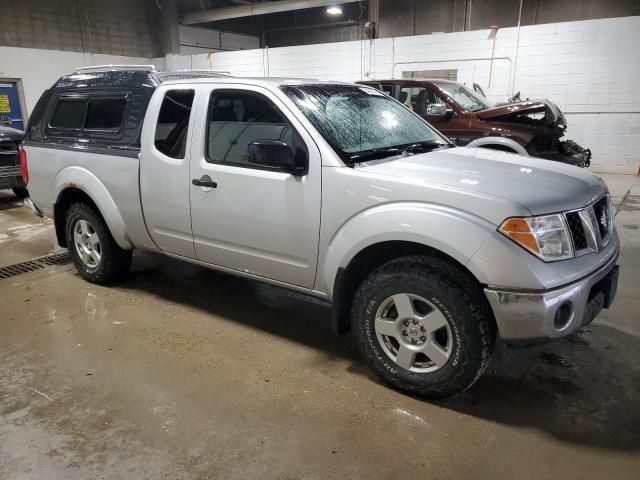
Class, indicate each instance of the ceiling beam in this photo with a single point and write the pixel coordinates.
(262, 8)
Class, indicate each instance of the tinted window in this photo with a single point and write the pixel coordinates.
(69, 113)
(173, 123)
(237, 118)
(105, 113)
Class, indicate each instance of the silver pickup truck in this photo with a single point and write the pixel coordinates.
(426, 251)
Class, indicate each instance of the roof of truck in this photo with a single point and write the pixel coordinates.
(146, 76)
(408, 81)
(272, 81)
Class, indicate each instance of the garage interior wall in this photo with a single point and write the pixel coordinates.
(589, 68)
(416, 17)
(118, 27)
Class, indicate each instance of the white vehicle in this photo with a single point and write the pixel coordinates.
(427, 252)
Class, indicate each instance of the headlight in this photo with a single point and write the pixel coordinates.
(547, 237)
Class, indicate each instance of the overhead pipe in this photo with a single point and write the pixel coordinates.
(225, 13)
(345, 23)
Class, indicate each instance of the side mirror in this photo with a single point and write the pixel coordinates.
(436, 109)
(277, 155)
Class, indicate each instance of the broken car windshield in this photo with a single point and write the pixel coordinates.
(468, 100)
(361, 123)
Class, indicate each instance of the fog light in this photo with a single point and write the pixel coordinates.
(563, 316)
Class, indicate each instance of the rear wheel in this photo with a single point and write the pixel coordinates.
(96, 255)
(423, 326)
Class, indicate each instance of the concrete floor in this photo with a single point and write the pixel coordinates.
(182, 372)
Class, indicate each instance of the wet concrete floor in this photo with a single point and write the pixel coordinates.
(185, 373)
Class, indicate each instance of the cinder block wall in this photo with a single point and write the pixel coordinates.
(590, 69)
(115, 27)
(39, 69)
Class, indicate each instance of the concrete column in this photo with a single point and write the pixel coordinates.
(170, 33)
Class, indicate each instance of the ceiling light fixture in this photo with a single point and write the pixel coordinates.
(334, 10)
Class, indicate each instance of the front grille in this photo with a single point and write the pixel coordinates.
(591, 227)
(577, 230)
(601, 210)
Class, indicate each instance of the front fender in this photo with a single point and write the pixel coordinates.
(83, 179)
(503, 142)
(453, 232)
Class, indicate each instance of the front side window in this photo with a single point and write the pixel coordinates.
(419, 99)
(173, 123)
(468, 100)
(360, 122)
(239, 117)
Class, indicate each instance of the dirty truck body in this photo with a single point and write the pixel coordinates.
(428, 252)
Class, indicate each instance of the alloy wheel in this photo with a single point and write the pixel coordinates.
(413, 333)
(87, 243)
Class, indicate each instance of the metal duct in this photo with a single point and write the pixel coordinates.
(225, 13)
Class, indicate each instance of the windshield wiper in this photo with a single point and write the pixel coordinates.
(374, 154)
(427, 146)
(407, 149)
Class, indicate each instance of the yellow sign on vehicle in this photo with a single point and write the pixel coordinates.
(5, 106)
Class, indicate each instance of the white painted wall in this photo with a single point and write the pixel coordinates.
(39, 69)
(591, 69)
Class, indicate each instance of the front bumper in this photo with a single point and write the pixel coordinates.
(531, 317)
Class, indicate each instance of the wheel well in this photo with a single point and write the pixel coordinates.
(496, 146)
(68, 197)
(348, 279)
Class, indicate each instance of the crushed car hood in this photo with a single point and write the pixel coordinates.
(541, 186)
(551, 111)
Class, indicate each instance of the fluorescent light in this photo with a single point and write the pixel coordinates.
(334, 10)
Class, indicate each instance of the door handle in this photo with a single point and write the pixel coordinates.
(204, 181)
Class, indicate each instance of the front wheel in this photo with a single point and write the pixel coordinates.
(96, 255)
(423, 326)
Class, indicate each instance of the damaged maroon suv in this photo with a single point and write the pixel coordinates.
(532, 127)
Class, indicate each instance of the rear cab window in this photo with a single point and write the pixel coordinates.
(173, 123)
(87, 115)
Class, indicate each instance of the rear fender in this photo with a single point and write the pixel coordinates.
(84, 180)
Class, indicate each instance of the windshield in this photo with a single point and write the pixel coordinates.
(467, 99)
(361, 122)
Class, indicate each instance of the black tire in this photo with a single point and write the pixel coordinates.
(20, 192)
(458, 297)
(114, 262)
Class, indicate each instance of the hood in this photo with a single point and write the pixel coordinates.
(551, 111)
(541, 186)
(8, 134)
